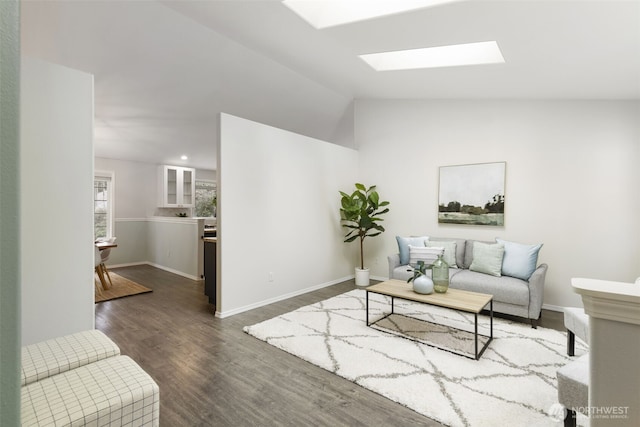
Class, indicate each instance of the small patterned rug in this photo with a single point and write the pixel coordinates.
(121, 288)
(513, 383)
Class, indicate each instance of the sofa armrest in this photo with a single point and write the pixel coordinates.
(536, 291)
(394, 262)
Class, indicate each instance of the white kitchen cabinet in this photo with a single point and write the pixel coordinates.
(176, 186)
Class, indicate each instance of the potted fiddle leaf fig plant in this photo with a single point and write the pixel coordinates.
(360, 212)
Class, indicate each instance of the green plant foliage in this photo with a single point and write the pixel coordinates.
(360, 213)
(420, 270)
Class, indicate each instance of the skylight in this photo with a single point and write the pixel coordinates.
(432, 57)
(329, 13)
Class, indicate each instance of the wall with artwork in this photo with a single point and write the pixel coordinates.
(571, 178)
(472, 194)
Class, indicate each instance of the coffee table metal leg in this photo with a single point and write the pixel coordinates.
(367, 308)
(476, 333)
(491, 312)
(484, 347)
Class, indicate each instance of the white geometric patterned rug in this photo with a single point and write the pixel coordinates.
(513, 383)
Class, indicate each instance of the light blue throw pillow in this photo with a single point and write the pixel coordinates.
(487, 258)
(520, 260)
(403, 246)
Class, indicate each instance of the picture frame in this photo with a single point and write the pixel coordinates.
(472, 194)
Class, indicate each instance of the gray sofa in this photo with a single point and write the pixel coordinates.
(510, 295)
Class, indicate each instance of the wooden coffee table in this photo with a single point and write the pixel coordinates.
(466, 301)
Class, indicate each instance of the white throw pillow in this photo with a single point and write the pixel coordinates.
(423, 253)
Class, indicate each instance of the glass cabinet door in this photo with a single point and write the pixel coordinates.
(176, 187)
(187, 187)
(172, 186)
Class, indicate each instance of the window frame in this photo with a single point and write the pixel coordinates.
(109, 177)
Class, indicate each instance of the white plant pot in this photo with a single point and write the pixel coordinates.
(362, 277)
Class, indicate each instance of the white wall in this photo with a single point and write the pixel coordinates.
(135, 199)
(173, 245)
(57, 196)
(279, 213)
(572, 178)
(136, 186)
(206, 174)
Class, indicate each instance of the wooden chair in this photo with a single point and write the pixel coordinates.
(98, 269)
(104, 256)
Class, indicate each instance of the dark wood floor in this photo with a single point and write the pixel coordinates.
(211, 373)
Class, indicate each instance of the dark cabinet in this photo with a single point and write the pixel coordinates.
(210, 269)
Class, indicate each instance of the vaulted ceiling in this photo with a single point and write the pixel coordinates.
(165, 69)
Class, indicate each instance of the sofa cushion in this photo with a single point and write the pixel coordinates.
(403, 246)
(519, 260)
(404, 272)
(423, 253)
(504, 289)
(449, 251)
(487, 258)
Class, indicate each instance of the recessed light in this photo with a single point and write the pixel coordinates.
(329, 13)
(183, 157)
(432, 57)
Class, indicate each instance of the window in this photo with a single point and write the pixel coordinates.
(206, 199)
(103, 204)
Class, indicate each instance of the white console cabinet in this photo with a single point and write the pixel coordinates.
(614, 351)
(176, 186)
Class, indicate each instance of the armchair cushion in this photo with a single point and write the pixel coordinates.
(573, 383)
(577, 321)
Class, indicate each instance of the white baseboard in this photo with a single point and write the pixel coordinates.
(552, 307)
(239, 310)
(128, 264)
(171, 270)
(161, 267)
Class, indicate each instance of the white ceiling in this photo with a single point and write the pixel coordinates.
(164, 70)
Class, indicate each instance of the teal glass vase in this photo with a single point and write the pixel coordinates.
(440, 275)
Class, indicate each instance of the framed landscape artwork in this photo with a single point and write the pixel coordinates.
(472, 194)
